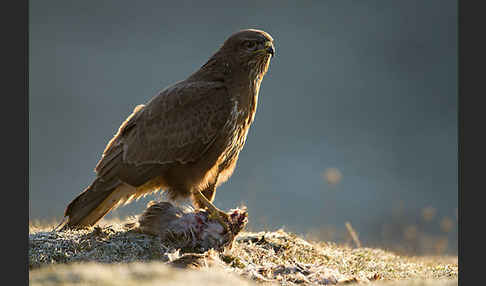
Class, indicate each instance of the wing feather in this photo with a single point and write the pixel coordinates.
(177, 125)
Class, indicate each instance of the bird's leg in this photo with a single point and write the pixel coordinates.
(214, 213)
(210, 192)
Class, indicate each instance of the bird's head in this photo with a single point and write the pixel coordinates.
(251, 49)
(247, 51)
(250, 44)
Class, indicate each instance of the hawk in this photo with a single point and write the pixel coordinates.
(186, 139)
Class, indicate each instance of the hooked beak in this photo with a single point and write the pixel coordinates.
(270, 48)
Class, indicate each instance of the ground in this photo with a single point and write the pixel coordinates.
(116, 255)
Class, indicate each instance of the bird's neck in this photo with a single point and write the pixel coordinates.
(243, 83)
(245, 93)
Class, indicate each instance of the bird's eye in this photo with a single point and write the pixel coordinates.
(249, 45)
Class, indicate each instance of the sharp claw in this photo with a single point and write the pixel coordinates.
(220, 216)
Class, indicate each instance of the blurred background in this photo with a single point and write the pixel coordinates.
(356, 120)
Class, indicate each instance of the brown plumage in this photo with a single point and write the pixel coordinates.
(187, 138)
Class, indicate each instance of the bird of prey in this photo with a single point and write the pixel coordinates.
(186, 139)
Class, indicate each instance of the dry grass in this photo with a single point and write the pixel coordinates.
(114, 255)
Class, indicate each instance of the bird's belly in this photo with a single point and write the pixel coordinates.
(215, 167)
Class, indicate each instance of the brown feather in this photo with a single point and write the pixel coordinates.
(80, 210)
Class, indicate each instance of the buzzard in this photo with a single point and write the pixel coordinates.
(186, 139)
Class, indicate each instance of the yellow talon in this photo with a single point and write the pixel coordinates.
(216, 214)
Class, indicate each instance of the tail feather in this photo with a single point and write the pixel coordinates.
(96, 201)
